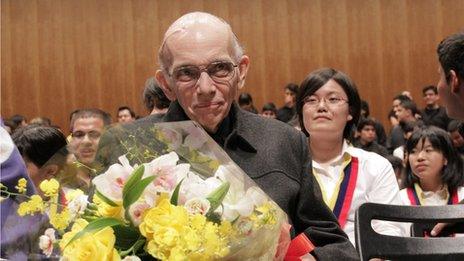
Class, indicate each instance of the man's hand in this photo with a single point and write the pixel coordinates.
(438, 228)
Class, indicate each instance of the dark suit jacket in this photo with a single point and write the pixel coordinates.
(275, 156)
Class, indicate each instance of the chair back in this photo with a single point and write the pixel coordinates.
(370, 244)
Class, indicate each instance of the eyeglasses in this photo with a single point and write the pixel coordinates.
(79, 135)
(314, 101)
(219, 72)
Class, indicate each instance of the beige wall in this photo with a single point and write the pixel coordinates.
(59, 55)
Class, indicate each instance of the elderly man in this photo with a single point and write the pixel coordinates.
(202, 69)
(451, 84)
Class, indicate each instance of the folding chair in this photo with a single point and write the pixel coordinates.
(370, 244)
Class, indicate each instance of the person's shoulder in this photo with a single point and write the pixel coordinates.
(270, 126)
(368, 158)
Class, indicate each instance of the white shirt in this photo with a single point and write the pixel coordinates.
(376, 183)
(431, 198)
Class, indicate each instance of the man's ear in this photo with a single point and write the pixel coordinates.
(243, 69)
(163, 82)
(50, 171)
(455, 83)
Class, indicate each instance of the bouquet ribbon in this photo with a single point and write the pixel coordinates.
(299, 246)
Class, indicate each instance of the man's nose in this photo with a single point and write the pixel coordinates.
(205, 84)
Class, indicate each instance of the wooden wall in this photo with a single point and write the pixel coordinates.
(59, 55)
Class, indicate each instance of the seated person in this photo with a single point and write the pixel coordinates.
(328, 106)
(245, 101)
(367, 139)
(455, 128)
(154, 98)
(269, 110)
(125, 115)
(287, 112)
(87, 126)
(434, 170)
(407, 129)
(434, 114)
(43, 150)
(381, 135)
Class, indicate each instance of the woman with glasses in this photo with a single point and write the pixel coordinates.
(328, 106)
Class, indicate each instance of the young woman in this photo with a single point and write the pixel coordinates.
(328, 106)
(434, 170)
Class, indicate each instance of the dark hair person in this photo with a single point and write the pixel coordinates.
(328, 106)
(434, 170)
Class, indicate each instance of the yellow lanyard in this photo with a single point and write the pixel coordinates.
(331, 202)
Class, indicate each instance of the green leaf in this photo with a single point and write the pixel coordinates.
(96, 226)
(105, 199)
(175, 194)
(133, 179)
(134, 193)
(216, 197)
(126, 236)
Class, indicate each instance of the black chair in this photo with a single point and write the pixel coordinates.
(370, 244)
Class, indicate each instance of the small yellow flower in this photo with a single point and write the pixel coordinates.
(60, 221)
(50, 187)
(73, 193)
(35, 204)
(21, 187)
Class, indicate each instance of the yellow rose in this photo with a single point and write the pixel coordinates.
(106, 210)
(91, 246)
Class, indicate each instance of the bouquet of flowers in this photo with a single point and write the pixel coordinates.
(165, 192)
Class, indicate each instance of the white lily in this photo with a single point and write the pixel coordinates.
(111, 183)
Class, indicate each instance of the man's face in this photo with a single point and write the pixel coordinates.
(124, 116)
(395, 105)
(454, 102)
(458, 140)
(206, 101)
(85, 137)
(403, 114)
(289, 98)
(367, 134)
(430, 98)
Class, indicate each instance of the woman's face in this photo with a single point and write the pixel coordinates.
(426, 162)
(326, 111)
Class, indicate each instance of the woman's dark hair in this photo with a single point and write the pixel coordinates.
(153, 95)
(244, 99)
(270, 106)
(452, 172)
(39, 144)
(315, 80)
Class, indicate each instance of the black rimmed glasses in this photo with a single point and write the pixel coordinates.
(219, 72)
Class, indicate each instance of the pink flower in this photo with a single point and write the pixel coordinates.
(197, 206)
(46, 241)
(113, 180)
(136, 212)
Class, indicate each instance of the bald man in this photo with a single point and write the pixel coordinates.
(202, 68)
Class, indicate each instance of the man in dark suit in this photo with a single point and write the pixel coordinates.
(202, 69)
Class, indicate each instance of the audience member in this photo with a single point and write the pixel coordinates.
(396, 138)
(87, 126)
(202, 69)
(367, 139)
(287, 112)
(245, 101)
(381, 135)
(434, 114)
(435, 172)
(458, 140)
(42, 121)
(398, 167)
(43, 150)
(329, 106)
(407, 111)
(407, 127)
(154, 98)
(269, 110)
(125, 115)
